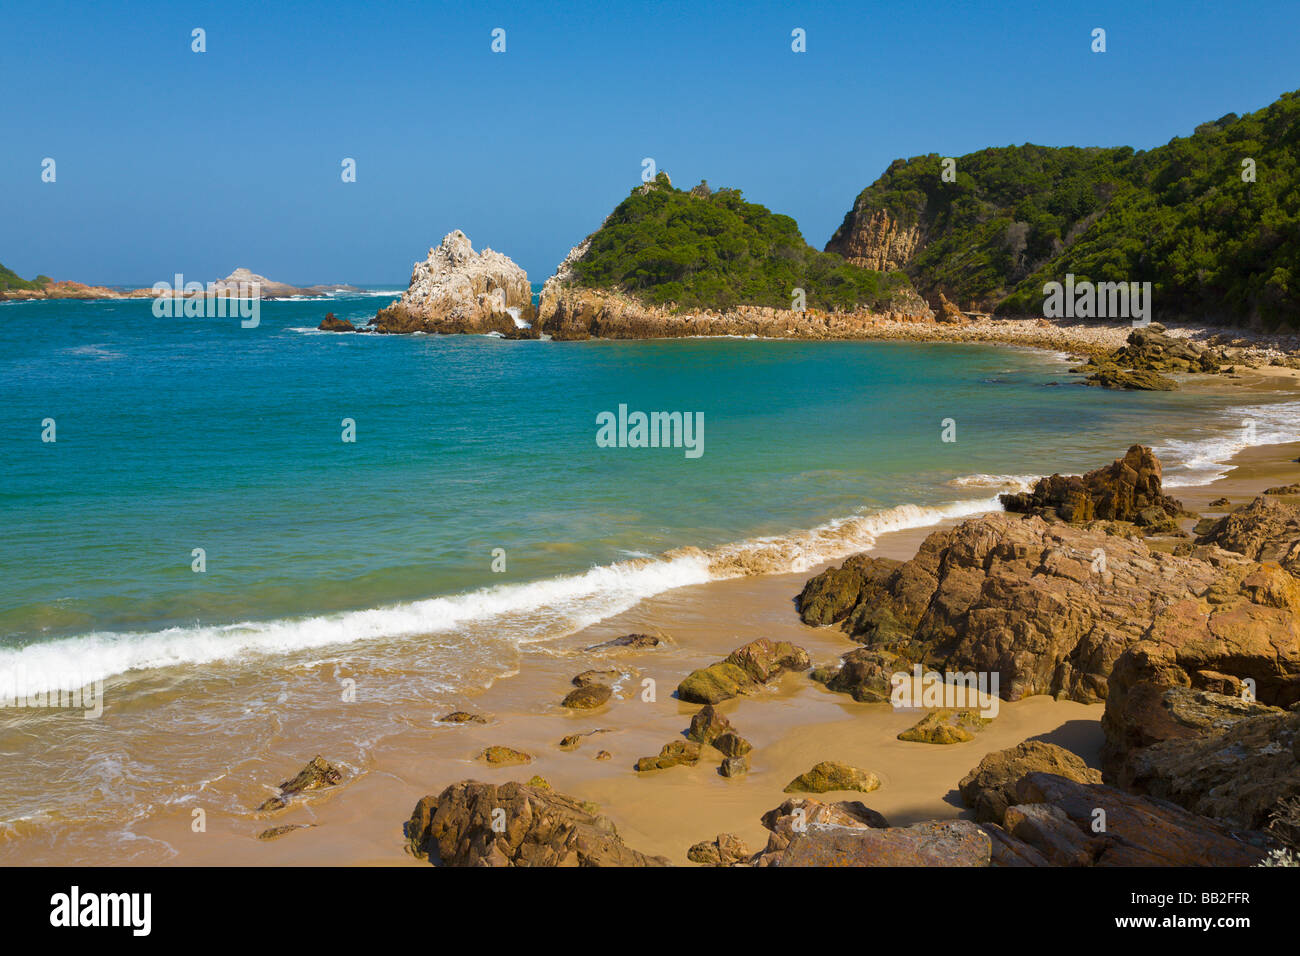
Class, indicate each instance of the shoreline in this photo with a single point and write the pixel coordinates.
(793, 724)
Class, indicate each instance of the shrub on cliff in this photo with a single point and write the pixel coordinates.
(1181, 216)
(712, 249)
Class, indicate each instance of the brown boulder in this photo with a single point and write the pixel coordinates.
(991, 787)
(1128, 489)
(480, 824)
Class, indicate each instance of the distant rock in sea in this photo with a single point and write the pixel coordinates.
(457, 289)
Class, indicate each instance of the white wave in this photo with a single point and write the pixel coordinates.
(535, 611)
(1203, 460)
(1005, 482)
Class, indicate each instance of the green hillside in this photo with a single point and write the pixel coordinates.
(711, 249)
(1180, 216)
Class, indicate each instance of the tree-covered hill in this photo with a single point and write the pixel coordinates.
(1214, 246)
(711, 249)
(10, 280)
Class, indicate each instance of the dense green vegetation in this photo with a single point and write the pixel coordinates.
(1213, 246)
(712, 249)
(10, 280)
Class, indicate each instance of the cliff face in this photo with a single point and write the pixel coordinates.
(875, 239)
(459, 290)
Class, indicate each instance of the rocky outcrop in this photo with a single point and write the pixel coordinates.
(318, 774)
(1128, 489)
(1032, 601)
(991, 787)
(459, 290)
(1263, 530)
(1240, 775)
(1081, 824)
(726, 849)
(1149, 352)
(332, 323)
(480, 824)
(875, 239)
(947, 843)
(569, 313)
(742, 671)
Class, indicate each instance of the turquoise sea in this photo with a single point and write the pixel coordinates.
(178, 434)
(473, 514)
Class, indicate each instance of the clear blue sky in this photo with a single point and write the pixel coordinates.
(172, 161)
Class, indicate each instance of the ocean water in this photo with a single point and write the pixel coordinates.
(473, 513)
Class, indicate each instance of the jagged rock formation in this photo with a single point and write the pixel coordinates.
(990, 788)
(459, 290)
(1149, 352)
(1128, 489)
(541, 828)
(1076, 611)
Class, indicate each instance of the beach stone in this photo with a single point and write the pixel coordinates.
(631, 641)
(587, 697)
(318, 774)
(542, 828)
(572, 741)
(945, 727)
(462, 717)
(1220, 503)
(734, 766)
(1283, 490)
(674, 753)
(991, 786)
(504, 756)
(726, 849)
(604, 755)
(831, 775)
(707, 724)
(743, 670)
(731, 744)
(276, 832)
(596, 677)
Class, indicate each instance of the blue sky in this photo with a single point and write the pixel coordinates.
(172, 161)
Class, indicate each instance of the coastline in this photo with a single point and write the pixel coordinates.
(793, 723)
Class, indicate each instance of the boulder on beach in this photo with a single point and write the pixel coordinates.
(1128, 489)
(742, 671)
(498, 756)
(673, 754)
(991, 786)
(318, 774)
(514, 824)
(831, 775)
(945, 727)
(627, 642)
(587, 696)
